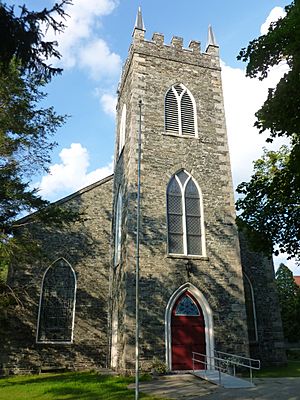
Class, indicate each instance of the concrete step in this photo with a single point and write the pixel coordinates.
(227, 381)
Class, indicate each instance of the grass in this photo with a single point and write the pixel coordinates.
(291, 370)
(68, 386)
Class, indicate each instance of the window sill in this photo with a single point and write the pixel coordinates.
(51, 342)
(186, 257)
(185, 136)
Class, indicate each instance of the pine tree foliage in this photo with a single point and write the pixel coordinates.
(26, 128)
(289, 295)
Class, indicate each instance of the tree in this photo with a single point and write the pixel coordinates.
(288, 292)
(271, 203)
(22, 38)
(25, 127)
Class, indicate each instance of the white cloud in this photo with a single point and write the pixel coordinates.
(108, 103)
(79, 40)
(243, 97)
(99, 60)
(275, 14)
(71, 174)
(291, 264)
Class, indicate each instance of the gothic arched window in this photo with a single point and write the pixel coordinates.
(180, 111)
(184, 212)
(250, 309)
(122, 130)
(118, 229)
(57, 304)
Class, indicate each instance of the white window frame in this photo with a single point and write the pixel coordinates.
(184, 229)
(179, 98)
(122, 130)
(40, 304)
(118, 228)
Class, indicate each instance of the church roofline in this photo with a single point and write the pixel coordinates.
(71, 196)
(83, 190)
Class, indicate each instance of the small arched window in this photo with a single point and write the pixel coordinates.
(180, 111)
(118, 229)
(250, 309)
(187, 307)
(57, 304)
(122, 130)
(184, 213)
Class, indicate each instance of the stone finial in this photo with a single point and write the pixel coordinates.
(211, 41)
(139, 23)
(195, 46)
(177, 42)
(139, 27)
(212, 46)
(158, 38)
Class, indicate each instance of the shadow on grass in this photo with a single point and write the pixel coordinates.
(292, 370)
(68, 386)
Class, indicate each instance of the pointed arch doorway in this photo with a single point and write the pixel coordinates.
(188, 328)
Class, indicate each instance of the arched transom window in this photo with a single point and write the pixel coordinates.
(118, 229)
(57, 304)
(184, 212)
(180, 111)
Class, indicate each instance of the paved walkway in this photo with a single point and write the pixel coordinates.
(188, 387)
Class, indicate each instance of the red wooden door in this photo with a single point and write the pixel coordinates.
(187, 332)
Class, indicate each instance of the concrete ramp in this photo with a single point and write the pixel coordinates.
(227, 381)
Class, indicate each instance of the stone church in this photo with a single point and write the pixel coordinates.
(201, 289)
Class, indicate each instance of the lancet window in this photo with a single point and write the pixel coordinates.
(184, 214)
(57, 304)
(122, 130)
(118, 229)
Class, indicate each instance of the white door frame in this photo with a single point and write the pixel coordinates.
(208, 320)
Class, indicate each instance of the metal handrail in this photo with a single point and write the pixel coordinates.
(235, 358)
(229, 359)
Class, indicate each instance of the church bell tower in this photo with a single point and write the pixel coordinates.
(191, 284)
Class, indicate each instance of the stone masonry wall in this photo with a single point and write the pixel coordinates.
(85, 245)
(269, 347)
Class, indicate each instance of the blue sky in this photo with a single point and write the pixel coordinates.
(94, 47)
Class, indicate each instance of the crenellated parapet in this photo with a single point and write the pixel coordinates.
(174, 51)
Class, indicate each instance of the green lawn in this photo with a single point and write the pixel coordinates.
(291, 370)
(68, 386)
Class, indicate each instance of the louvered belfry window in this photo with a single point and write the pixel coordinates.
(56, 313)
(184, 215)
(180, 111)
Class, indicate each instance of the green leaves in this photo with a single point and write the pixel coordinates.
(270, 201)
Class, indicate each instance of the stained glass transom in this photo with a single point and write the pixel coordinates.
(57, 304)
(187, 306)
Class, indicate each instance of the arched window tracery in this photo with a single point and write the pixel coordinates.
(57, 303)
(184, 215)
